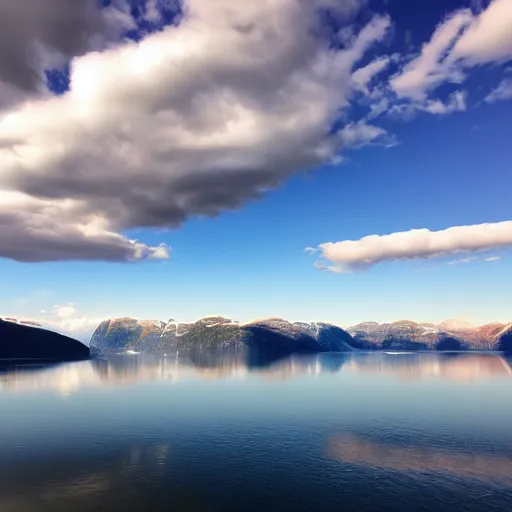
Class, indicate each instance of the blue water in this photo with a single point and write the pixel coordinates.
(366, 432)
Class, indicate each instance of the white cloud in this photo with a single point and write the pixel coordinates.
(378, 108)
(364, 75)
(501, 93)
(430, 69)
(152, 12)
(194, 120)
(461, 41)
(359, 134)
(456, 102)
(469, 259)
(463, 260)
(160, 253)
(489, 37)
(64, 311)
(353, 255)
(67, 320)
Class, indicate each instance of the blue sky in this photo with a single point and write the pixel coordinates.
(430, 171)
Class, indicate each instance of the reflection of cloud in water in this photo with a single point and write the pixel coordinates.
(81, 483)
(65, 379)
(464, 368)
(87, 485)
(356, 450)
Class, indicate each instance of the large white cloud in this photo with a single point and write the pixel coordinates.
(194, 120)
(353, 255)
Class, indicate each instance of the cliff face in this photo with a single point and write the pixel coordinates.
(124, 334)
(24, 342)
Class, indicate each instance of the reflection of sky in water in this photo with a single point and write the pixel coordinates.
(304, 430)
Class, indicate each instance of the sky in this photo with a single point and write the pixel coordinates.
(328, 160)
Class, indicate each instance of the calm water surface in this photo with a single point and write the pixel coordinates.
(371, 432)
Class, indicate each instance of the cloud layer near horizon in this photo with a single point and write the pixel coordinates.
(354, 255)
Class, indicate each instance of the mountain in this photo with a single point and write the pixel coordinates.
(504, 339)
(408, 335)
(20, 321)
(274, 337)
(19, 341)
(81, 332)
(402, 335)
(259, 340)
(455, 325)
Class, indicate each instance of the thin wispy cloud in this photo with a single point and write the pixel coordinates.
(462, 41)
(463, 260)
(355, 255)
(470, 259)
(502, 93)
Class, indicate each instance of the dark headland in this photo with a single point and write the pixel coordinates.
(24, 343)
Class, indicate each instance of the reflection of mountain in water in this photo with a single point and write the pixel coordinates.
(127, 370)
(465, 367)
(383, 455)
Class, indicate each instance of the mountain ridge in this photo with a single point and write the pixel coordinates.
(447, 335)
(276, 336)
(272, 338)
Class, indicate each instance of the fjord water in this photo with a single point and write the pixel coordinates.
(364, 432)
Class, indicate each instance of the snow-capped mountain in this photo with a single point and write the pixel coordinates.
(279, 336)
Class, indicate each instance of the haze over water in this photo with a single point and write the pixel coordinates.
(364, 432)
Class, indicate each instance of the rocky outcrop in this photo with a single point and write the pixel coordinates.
(19, 342)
